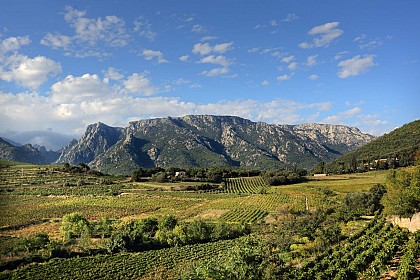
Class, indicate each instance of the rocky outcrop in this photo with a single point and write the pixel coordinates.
(206, 140)
(26, 153)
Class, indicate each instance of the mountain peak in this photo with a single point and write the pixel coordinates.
(209, 140)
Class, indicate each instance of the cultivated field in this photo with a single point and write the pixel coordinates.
(34, 199)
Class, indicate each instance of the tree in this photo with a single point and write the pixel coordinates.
(73, 226)
(403, 192)
(252, 259)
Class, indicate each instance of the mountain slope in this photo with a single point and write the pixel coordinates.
(206, 140)
(402, 144)
(26, 153)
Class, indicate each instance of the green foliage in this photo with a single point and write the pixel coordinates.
(403, 192)
(252, 259)
(283, 177)
(74, 225)
(363, 203)
(407, 268)
(403, 143)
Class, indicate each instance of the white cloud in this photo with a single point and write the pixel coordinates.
(140, 84)
(340, 55)
(206, 48)
(113, 74)
(340, 117)
(89, 34)
(288, 59)
(75, 102)
(184, 58)
(222, 48)
(290, 17)
(274, 23)
(220, 60)
(144, 28)
(313, 77)
(284, 77)
(216, 72)
(13, 44)
(311, 60)
(28, 72)
(324, 35)
(73, 90)
(355, 66)
(292, 66)
(265, 83)
(208, 38)
(151, 54)
(56, 41)
(198, 29)
(202, 49)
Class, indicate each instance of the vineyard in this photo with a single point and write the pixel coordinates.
(365, 255)
(34, 199)
(246, 185)
(123, 266)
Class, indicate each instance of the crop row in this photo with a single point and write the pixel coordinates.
(121, 266)
(364, 255)
(250, 185)
(244, 215)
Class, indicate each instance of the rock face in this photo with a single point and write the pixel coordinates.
(205, 140)
(26, 153)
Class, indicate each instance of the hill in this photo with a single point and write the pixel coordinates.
(205, 141)
(26, 153)
(397, 148)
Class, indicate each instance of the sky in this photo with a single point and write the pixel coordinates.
(67, 64)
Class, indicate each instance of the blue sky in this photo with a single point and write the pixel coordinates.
(66, 64)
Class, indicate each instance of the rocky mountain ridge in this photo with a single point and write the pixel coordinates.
(206, 140)
(26, 153)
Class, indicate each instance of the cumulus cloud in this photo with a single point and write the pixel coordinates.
(313, 77)
(206, 48)
(290, 17)
(197, 28)
(284, 77)
(89, 33)
(202, 49)
(355, 66)
(151, 54)
(292, 66)
(324, 35)
(77, 89)
(340, 117)
(77, 101)
(56, 41)
(184, 58)
(113, 74)
(13, 44)
(218, 60)
(287, 59)
(311, 60)
(265, 83)
(140, 84)
(144, 28)
(28, 72)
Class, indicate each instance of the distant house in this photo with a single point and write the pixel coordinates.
(320, 175)
(180, 174)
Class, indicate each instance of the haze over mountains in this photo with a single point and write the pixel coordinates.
(201, 141)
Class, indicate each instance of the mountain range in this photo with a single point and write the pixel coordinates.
(201, 141)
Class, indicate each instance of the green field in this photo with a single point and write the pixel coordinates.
(34, 199)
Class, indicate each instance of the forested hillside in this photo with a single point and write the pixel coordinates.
(397, 148)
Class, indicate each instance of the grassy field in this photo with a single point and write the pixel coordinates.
(34, 199)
